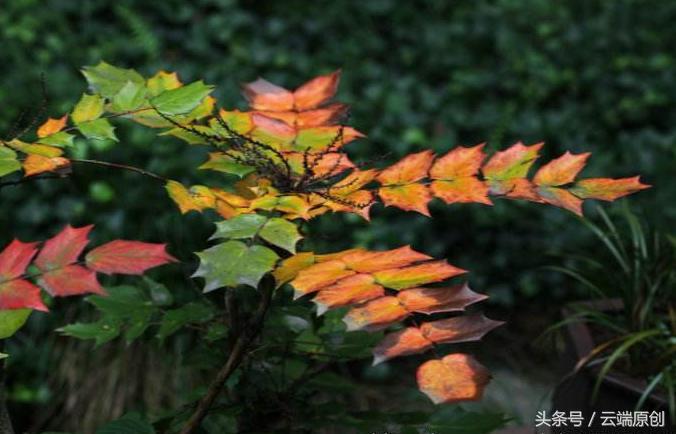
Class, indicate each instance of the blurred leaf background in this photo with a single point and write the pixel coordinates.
(580, 75)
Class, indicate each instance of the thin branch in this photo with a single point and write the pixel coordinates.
(123, 167)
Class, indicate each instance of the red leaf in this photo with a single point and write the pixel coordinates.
(464, 328)
(64, 248)
(20, 294)
(15, 258)
(127, 257)
(456, 377)
(370, 261)
(316, 91)
(71, 280)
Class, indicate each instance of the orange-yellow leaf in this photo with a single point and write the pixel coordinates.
(561, 198)
(182, 197)
(562, 170)
(460, 162)
(461, 190)
(289, 268)
(375, 315)
(354, 181)
(52, 126)
(606, 188)
(409, 169)
(35, 164)
(455, 378)
(516, 188)
(316, 277)
(513, 162)
(416, 275)
(434, 300)
(350, 290)
(316, 91)
(328, 115)
(410, 197)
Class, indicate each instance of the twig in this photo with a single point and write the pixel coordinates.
(123, 167)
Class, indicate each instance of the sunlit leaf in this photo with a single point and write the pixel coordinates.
(455, 378)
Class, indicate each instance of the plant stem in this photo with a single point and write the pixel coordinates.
(243, 340)
(123, 167)
(5, 421)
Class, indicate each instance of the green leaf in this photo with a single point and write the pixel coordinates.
(277, 231)
(61, 139)
(131, 423)
(107, 80)
(281, 233)
(130, 97)
(181, 100)
(216, 332)
(89, 107)
(241, 226)
(99, 129)
(102, 331)
(225, 164)
(159, 294)
(190, 313)
(8, 161)
(234, 263)
(128, 306)
(3, 356)
(12, 320)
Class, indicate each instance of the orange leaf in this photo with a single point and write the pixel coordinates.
(461, 190)
(328, 115)
(35, 164)
(514, 162)
(376, 314)
(409, 169)
(350, 290)
(318, 276)
(316, 91)
(434, 300)
(52, 126)
(516, 188)
(606, 188)
(263, 95)
(562, 170)
(367, 262)
(464, 328)
(455, 378)
(354, 181)
(408, 277)
(410, 197)
(400, 343)
(460, 162)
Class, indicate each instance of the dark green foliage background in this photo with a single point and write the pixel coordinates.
(579, 75)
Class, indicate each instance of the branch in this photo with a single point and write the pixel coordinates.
(242, 342)
(123, 167)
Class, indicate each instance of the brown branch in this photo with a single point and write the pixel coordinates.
(123, 167)
(242, 342)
